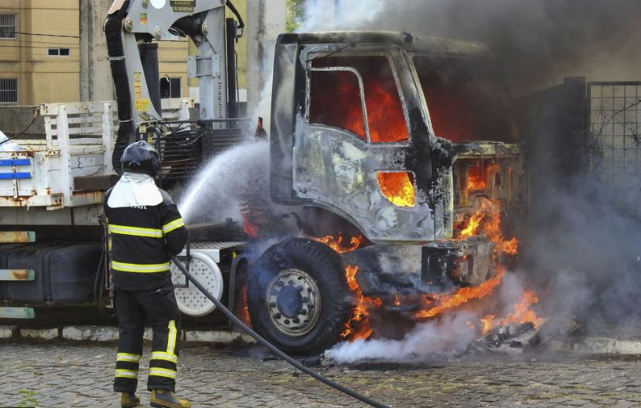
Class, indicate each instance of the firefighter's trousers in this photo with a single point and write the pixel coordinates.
(157, 308)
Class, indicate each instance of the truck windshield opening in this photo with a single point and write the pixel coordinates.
(463, 100)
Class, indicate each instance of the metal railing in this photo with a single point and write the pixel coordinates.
(615, 142)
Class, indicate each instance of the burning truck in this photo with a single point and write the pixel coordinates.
(402, 161)
(395, 156)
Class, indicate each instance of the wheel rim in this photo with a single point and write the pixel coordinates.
(293, 302)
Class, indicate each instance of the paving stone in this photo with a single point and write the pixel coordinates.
(625, 404)
(80, 375)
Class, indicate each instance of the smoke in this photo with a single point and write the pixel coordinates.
(449, 335)
(217, 191)
(585, 254)
(536, 42)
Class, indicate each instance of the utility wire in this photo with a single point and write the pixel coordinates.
(47, 35)
(27, 42)
(27, 47)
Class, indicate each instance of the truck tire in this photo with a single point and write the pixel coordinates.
(298, 296)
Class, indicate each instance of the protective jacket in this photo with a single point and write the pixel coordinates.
(141, 238)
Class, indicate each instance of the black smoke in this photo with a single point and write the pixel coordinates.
(538, 42)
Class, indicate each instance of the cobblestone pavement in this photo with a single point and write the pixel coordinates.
(79, 375)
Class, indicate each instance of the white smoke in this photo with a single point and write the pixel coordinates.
(321, 15)
(449, 335)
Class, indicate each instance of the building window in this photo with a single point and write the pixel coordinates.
(7, 26)
(170, 87)
(8, 90)
(59, 52)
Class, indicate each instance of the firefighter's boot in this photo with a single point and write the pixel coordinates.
(167, 399)
(129, 400)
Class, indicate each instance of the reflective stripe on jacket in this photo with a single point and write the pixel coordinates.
(141, 240)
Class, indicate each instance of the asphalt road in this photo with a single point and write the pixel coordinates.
(79, 375)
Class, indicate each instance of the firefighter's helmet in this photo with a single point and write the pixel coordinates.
(141, 157)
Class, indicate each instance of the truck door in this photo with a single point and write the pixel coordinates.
(361, 148)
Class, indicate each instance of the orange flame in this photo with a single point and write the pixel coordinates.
(478, 176)
(336, 243)
(487, 220)
(449, 301)
(245, 312)
(241, 308)
(522, 314)
(358, 326)
(248, 227)
(487, 323)
(385, 117)
(397, 187)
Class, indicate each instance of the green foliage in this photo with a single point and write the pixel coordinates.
(28, 398)
(295, 10)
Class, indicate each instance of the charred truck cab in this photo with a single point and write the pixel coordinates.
(393, 140)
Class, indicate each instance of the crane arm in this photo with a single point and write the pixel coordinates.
(131, 29)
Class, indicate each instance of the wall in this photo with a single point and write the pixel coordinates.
(85, 74)
(39, 75)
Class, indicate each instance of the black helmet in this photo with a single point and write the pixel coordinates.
(141, 157)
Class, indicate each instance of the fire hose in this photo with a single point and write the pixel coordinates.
(270, 346)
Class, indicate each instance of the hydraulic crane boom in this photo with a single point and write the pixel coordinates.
(131, 28)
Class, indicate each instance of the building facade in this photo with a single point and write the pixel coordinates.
(54, 51)
(39, 51)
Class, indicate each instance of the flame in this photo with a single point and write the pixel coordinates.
(478, 176)
(248, 227)
(397, 300)
(487, 220)
(385, 116)
(245, 311)
(358, 326)
(449, 301)
(241, 308)
(487, 323)
(510, 247)
(336, 242)
(476, 180)
(397, 187)
(522, 314)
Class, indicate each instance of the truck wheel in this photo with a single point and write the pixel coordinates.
(298, 296)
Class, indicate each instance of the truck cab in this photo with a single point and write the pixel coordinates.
(402, 143)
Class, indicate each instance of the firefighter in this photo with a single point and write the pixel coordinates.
(145, 226)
